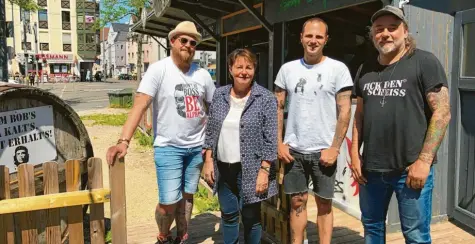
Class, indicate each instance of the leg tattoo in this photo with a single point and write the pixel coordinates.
(183, 216)
(164, 221)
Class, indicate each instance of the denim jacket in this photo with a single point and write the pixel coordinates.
(257, 135)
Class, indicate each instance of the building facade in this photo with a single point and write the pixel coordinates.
(152, 51)
(56, 36)
(114, 50)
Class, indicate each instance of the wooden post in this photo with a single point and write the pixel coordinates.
(26, 181)
(51, 186)
(118, 208)
(7, 234)
(75, 218)
(97, 228)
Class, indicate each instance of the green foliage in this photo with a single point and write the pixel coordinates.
(203, 203)
(143, 139)
(107, 119)
(29, 5)
(109, 237)
(114, 10)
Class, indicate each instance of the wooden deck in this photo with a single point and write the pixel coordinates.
(205, 228)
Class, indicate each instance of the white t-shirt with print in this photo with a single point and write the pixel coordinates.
(312, 109)
(178, 105)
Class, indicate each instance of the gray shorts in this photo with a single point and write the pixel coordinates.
(298, 172)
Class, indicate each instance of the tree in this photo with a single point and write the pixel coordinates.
(28, 5)
(115, 10)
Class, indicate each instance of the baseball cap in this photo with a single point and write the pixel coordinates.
(389, 10)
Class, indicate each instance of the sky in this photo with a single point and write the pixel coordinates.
(123, 20)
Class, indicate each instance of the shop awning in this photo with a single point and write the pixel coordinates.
(166, 14)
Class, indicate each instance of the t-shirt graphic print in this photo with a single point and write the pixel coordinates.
(187, 100)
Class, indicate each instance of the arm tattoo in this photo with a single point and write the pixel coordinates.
(438, 101)
(280, 94)
(343, 100)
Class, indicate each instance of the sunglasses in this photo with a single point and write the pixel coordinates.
(184, 41)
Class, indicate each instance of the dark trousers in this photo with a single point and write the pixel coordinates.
(231, 204)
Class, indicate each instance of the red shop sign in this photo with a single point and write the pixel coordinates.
(55, 56)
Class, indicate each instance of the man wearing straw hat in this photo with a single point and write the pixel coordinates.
(180, 92)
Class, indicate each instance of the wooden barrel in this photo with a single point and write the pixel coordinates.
(21, 109)
(37, 126)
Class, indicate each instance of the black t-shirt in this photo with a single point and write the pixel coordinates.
(396, 113)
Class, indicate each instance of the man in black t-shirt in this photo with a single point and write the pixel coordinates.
(401, 117)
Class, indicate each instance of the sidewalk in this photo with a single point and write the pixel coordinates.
(205, 229)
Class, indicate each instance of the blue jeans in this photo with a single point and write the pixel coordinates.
(415, 207)
(178, 170)
(231, 204)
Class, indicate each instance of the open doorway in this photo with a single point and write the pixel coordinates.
(258, 42)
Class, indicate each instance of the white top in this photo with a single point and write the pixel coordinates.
(178, 116)
(228, 143)
(312, 108)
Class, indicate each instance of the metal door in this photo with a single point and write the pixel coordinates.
(463, 113)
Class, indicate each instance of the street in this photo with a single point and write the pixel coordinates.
(83, 96)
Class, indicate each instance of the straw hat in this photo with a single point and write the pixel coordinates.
(185, 27)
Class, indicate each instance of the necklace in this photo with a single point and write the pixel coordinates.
(383, 101)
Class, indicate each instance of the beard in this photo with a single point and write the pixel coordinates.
(184, 55)
(388, 47)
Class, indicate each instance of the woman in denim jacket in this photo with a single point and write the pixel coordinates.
(241, 148)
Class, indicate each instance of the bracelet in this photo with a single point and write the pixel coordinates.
(266, 169)
(124, 141)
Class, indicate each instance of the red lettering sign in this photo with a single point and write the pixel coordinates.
(53, 56)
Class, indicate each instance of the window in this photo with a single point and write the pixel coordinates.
(66, 16)
(10, 29)
(44, 46)
(66, 19)
(43, 18)
(121, 47)
(122, 58)
(468, 55)
(81, 38)
(80, 18)
(90, 38)
(147, 54)
(132, 55)
(67, 47)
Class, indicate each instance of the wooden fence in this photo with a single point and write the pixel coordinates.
(275, 213)
(21, 218)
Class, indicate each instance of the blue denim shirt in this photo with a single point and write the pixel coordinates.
(257, 134)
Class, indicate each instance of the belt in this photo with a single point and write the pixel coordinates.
(230, 165)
